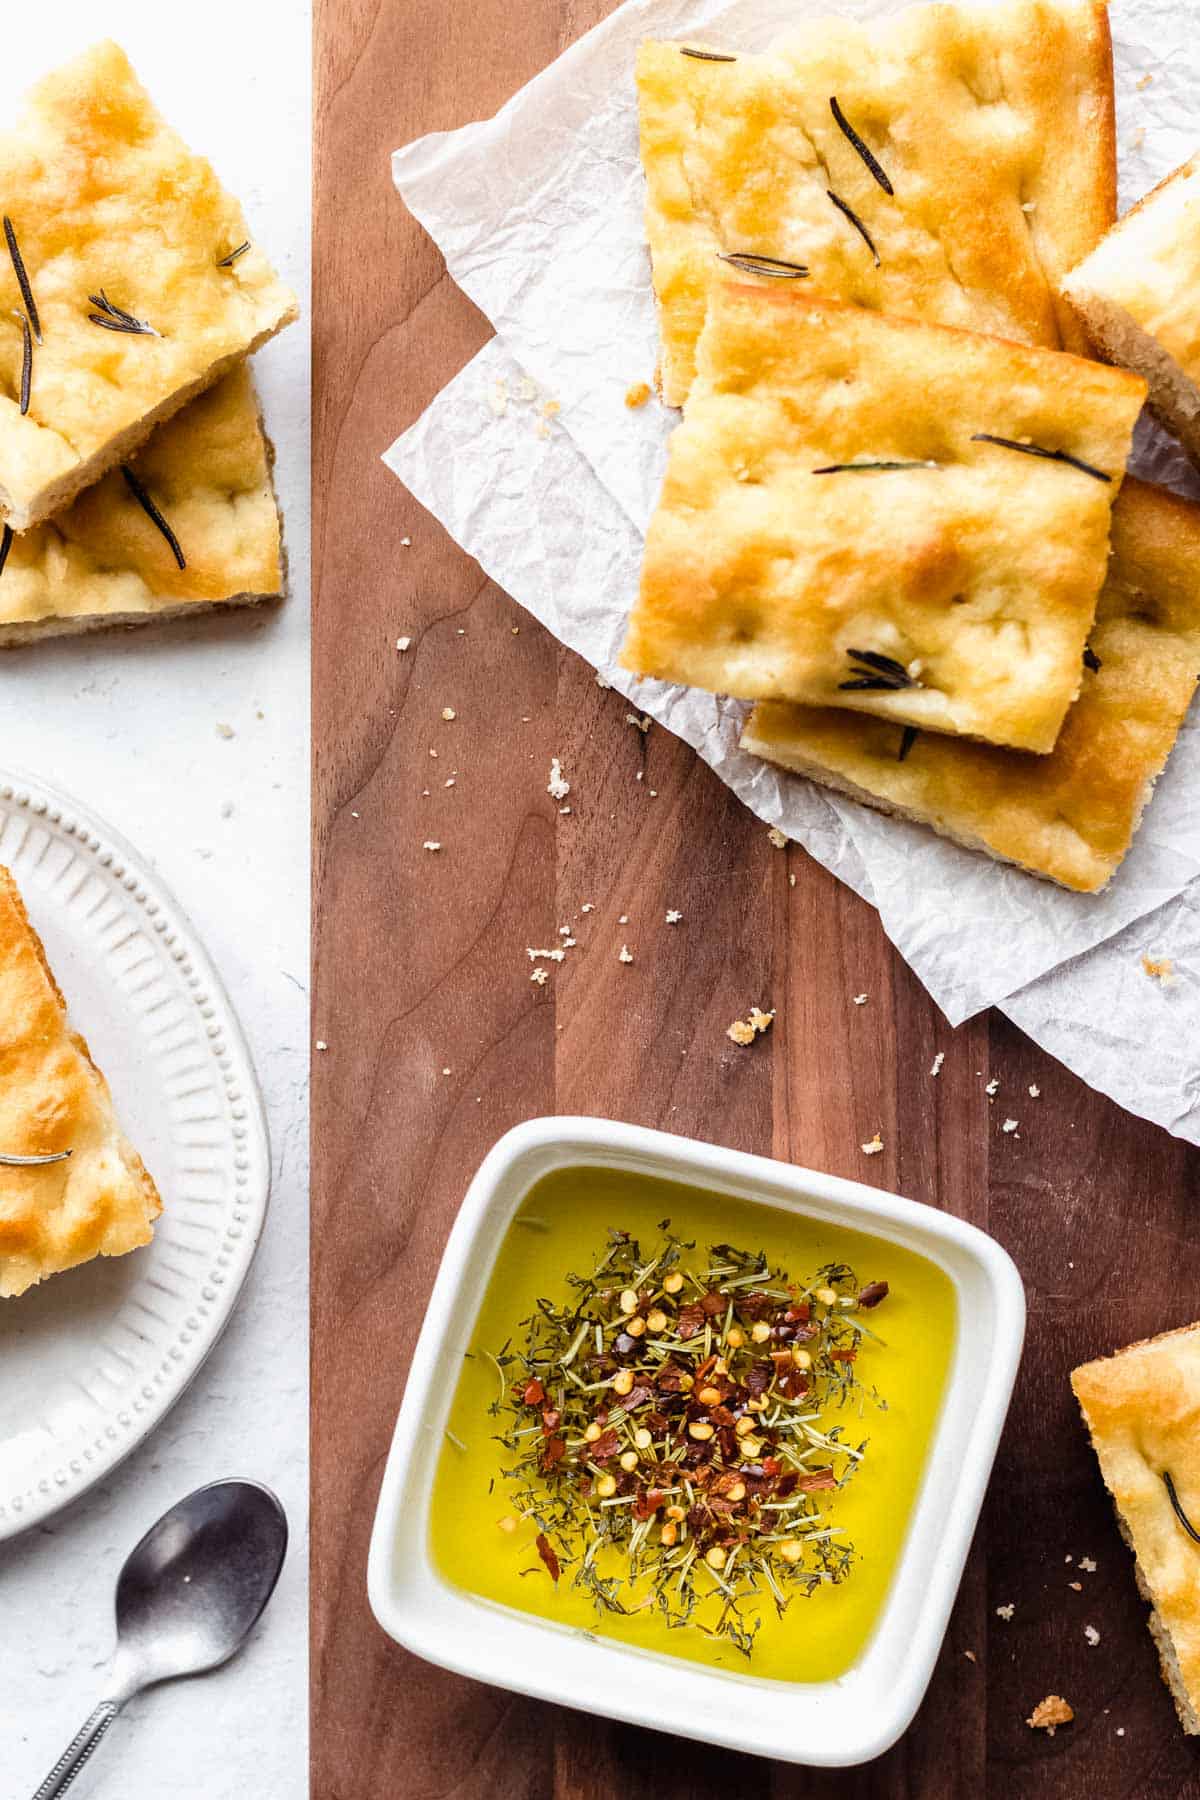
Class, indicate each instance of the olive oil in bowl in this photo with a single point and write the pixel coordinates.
(880, 1400)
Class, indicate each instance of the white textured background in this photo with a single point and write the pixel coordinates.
(128, 723)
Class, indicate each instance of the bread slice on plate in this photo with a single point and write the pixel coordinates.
(984, 167)
(1069, 816)
(1142, 1408)
(197, 527)
(1138, 296)
(127, 283)
(890, 516)
(99, 1201)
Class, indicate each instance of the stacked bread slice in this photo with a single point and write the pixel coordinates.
(893, 513)
(134, 472)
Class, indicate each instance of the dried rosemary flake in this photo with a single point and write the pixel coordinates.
(1091, 660)
(868, 157)
(908, 738)
(857, 468)
(18, 263)
(707, 55)
(1050, 1713)
(773, 268)
(153, 514)
(849, 212)
(1177, 1508)
(873, 672)
(115, 318)
(6, 539)
(1059, 456)
(33, 1162)
(26, 363)
(227, 262)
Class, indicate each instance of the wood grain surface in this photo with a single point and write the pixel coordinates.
(420, 968)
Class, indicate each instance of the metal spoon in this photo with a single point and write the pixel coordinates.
(187, 1599)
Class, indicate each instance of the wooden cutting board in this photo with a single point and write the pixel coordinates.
(434, 1042)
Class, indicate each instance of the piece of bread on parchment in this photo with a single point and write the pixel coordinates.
(1069, 816)
(1138, 296)
(993, 127)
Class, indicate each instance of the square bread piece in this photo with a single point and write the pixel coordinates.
(1071, 815)
(112, 215)
(956, 597)
(1142, 1408)
(101, 1202)
(994, 127)
(105, 562)
(1138, 295)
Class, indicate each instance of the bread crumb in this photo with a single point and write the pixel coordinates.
(673, 917)
(406, 543)
(321, 1044)
(554, 955)
(1005, 1612)
(641, 721)
(403, 643)
(860, 999)
(873, 1147)
(448, 713)
(1092, 1635)
(540, 977)
(1050, 1713)
(1159, 968)
(431, 844)
(935, 1067)
(1077, 1585)
(1035, 1091)
(1144, 83)
(777, 837)
(446, 1071)
(624, 919)
(625, 954)
(744, 1031)
(1087, 1565)
(993, 1086)
(551, 409)
(225, 731)
(558, 787)
(1010, 1125)
(637, 395)
(498, 398)
(587, 907)
(1139, 137)
(601, 681)
(970, 1656)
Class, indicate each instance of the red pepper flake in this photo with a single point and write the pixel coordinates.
(691, 1320)
(712, 1304)
(553, 1452)
(551, 1418)
(648, 1503)
(545, 1550)
(873, 1293)
(816, 1481)
(605, 1446)
(846, 1356)
(534, 1393)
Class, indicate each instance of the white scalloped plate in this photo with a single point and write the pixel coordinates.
(91, 1361)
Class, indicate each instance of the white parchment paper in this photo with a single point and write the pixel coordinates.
(538, 212)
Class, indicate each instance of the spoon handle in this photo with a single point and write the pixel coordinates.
(77, 1752)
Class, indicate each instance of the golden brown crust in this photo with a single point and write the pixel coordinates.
(995, 125)
(1071, 815)
(101, 1202)
(105, 197)
(104, 561)
(1142, 1408)
(762, 575)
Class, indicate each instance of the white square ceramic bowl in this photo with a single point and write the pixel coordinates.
(833, 1723)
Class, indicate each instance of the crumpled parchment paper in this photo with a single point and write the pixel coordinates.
(534, 463)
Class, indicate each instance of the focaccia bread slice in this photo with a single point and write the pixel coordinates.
(105, 561)
(1142, 1408)
(993, 127)
(955, 591)
(1069, 816)
(99, 1202)
(111, 224)
(1138, 295)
